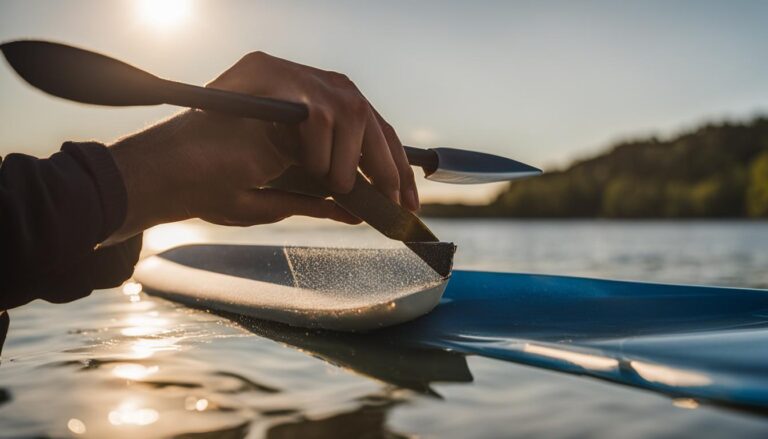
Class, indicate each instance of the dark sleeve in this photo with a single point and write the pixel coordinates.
(53, 214)
(3, 333)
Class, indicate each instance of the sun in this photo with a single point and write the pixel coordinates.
(163, 13)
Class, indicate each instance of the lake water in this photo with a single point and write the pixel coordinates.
(123, 364)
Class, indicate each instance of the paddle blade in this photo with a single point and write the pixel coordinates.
(80, 75)
(438, 255)
(458, 166)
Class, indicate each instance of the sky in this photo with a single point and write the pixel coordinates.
(544, 82)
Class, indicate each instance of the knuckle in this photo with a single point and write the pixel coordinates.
(388, 130)
(322, 114)
(352, 106)
(255, 57)
(339, 78)
(358, 105)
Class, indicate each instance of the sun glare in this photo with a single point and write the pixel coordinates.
(163, 14)
(165, 236)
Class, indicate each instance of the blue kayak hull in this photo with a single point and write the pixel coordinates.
(704, 343)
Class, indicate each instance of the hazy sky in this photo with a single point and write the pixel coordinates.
(541, 81)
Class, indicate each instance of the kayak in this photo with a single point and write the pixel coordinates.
(707, 344)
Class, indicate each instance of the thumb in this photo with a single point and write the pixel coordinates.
(264, 206)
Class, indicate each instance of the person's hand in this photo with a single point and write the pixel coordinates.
(213, 167)
(343, 129)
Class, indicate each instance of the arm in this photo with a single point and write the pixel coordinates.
(54, 212)
(200, 165)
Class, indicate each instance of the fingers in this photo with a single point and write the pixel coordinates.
(377, 161)
(266, 206)
(317, 141)
(342, 131)
(342, 107)
(408, 192)
(347, 145)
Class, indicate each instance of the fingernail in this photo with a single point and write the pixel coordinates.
(411, 199)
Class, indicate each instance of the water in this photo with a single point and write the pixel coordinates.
(123, 364)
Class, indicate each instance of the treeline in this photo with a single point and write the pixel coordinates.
(716, 171)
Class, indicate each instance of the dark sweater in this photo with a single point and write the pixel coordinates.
(53, 214)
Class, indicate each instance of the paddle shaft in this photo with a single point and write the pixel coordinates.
(268, 109)
(232, 103)
(92, 78)
(363, 201)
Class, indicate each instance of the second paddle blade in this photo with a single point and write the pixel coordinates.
(459, 166)
(70, 73)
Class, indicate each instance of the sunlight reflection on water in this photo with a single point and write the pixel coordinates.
(134, 371)
(130, 413)
(145, 348)
(76, 426)
(144, 325)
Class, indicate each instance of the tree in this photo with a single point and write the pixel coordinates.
(757, 193)
(716, 171)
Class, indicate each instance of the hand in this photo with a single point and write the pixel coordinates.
(343, 130)
(209, 166)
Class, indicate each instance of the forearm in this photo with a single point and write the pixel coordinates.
(53, 213)
(154, 192)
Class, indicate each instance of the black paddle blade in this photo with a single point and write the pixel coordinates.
(71, 73)
(438, 255)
